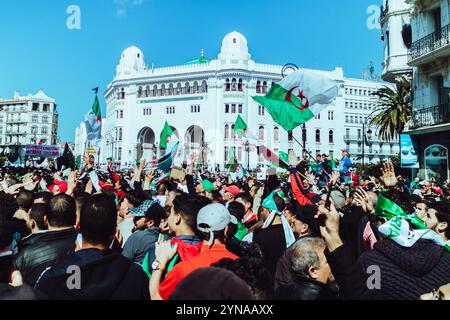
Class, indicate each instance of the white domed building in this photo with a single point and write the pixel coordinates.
(201, 100)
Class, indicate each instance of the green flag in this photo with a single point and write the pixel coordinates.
(240, 126)
(232, 162)
(166, 135)
(284, 156)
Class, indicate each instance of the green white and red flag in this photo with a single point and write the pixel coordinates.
(298, 98)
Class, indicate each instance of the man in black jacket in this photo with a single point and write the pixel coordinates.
(311, 270)
(94, 272)
(44, 249)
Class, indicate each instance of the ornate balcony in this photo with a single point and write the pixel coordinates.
(429, 117)
(430, 47)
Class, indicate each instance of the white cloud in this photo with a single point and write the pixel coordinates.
(123, 6)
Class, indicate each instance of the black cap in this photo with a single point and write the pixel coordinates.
(306, 214)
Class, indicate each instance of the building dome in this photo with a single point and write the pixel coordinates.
(234, 46)
(131, 60)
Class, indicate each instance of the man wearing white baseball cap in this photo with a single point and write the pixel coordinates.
(212, 222)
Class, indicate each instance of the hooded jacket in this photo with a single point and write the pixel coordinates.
(104, 275)
(407, 273)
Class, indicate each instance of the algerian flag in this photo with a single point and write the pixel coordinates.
(272, 157)
(398, 228)
(239, 127)
(93, 123)
(298, 98)
(168, 138)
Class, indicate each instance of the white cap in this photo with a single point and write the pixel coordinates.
(214, 217)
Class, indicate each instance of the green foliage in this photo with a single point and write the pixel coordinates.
(394, 108)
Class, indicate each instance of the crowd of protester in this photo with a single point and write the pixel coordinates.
(140, 234)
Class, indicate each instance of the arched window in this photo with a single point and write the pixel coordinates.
(155, 91)
(45, 119)
(163, 90)
(171, 89)
(276, 134)
(139, 93)
(204, 86)
(187, 88)
(258, 86)
(240, 85)
(44, 130)
(233, 85)
(179, 89)
(261, 133)
(122, 94)
(317, 136)
(195, 88)
(331, 136)
(227, 132)
(227, 85)
(120, 134)
(119, 154)
(264, 88)
(147, 91)
(233, 135)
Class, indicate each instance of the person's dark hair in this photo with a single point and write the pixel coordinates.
(45, 196)
(25, 200)
(81, 200)
(216, 196)
(156, 213)
(281, 205)
(401, 199)
(443, 214)
(250, 267)
(37, 213)
(135, 197)
(98, 220)
(8, 206)
(237, 209)
(62, 211)
(246, 197)
(291, 206)
(188, 207)
(109, 193)
(306, 214)
(6, 233)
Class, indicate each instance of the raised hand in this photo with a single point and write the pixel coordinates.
(334, 178)
(388, 174)
(362, 199)
(193, 158)
(329, 227)
(164, 251)
(293, 160)
(142, 165)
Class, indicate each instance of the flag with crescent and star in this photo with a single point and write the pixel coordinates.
(299, 97)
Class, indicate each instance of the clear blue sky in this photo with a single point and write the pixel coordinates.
(39, 51)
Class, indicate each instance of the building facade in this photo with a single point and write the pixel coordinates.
(202, 99)
(24, 120)
(397, 37)
(429, 55)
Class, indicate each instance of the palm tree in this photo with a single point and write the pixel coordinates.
(394, 107)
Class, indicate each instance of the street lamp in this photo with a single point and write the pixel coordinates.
(247, 149)
(367, 136)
